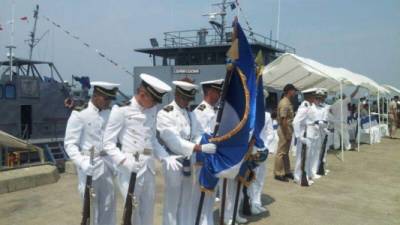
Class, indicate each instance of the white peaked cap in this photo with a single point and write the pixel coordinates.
(309, 91)
(184, 85)
(154, 86)
(159, 85)
(218, 82)
(105, 85)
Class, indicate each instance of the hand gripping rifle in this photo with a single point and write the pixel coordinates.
(304, 181)
(130, 201)
(88, 197)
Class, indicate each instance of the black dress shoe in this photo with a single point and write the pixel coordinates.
(281, 178)
(290, 176)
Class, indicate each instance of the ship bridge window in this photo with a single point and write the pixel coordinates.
(10, 91)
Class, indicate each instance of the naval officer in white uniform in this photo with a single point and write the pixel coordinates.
(340, 119)
(85, 131)
(176, 126)
(206, 114)
(304, 122)
(256, 187)
(133, 126)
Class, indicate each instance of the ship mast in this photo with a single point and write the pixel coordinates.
(220, 27)
(11, 46)
(32, 41)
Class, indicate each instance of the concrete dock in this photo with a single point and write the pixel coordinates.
(364, 189)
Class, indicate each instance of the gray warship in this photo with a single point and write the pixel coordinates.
(201, 53)
(35, 103)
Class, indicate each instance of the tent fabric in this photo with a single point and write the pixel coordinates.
(306, 73)
(393, 91)
(7, 140)
(301, 72)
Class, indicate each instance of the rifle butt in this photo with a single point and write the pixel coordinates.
(86, 202)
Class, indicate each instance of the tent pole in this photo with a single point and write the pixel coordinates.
(387, 111)
(358, 126)
(341, 121)
(369, 117)
(379, 112)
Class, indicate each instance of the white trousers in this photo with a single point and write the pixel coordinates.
(315, 153)
(231, 186)
(337, 135)
(104, 201)
(207, 216)
(144, 193)
(177, 198)
(307, 167)
(256, 188)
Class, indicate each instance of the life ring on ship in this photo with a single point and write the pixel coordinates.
(69, 103)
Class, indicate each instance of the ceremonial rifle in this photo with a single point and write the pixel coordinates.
(130, 200)
(88, 197)
(304, 181)
(321, 167)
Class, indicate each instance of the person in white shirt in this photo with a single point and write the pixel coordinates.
(133, 127)
(206, 114)
(176, 126)
(84, 132)
(340, 119)
(305, 131)
(255, 189)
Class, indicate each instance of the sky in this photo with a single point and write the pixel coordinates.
(360, 35)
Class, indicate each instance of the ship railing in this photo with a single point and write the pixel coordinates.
(208, 37)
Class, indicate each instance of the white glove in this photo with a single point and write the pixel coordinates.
(172, 162)
(132, 165)
(86, 167)
(208, 148)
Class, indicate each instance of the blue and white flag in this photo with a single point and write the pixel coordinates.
(238, 118)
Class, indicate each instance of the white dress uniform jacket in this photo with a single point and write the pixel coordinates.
(175, 126)
(303, 120)
(85, 130)
(134, 128)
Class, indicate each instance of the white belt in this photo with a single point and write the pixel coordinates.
(95, 154)
(146, 151)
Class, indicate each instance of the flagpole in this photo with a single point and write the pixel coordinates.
(227, 81)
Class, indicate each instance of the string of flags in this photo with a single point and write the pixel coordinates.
(87, 45)
(24, 18)
(237, 5)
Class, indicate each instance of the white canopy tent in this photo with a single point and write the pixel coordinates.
(306, 73)
(303, 73)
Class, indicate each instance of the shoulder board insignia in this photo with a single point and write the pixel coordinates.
(168, 108)
(201, 107)
(80, 107)
(124, 103)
